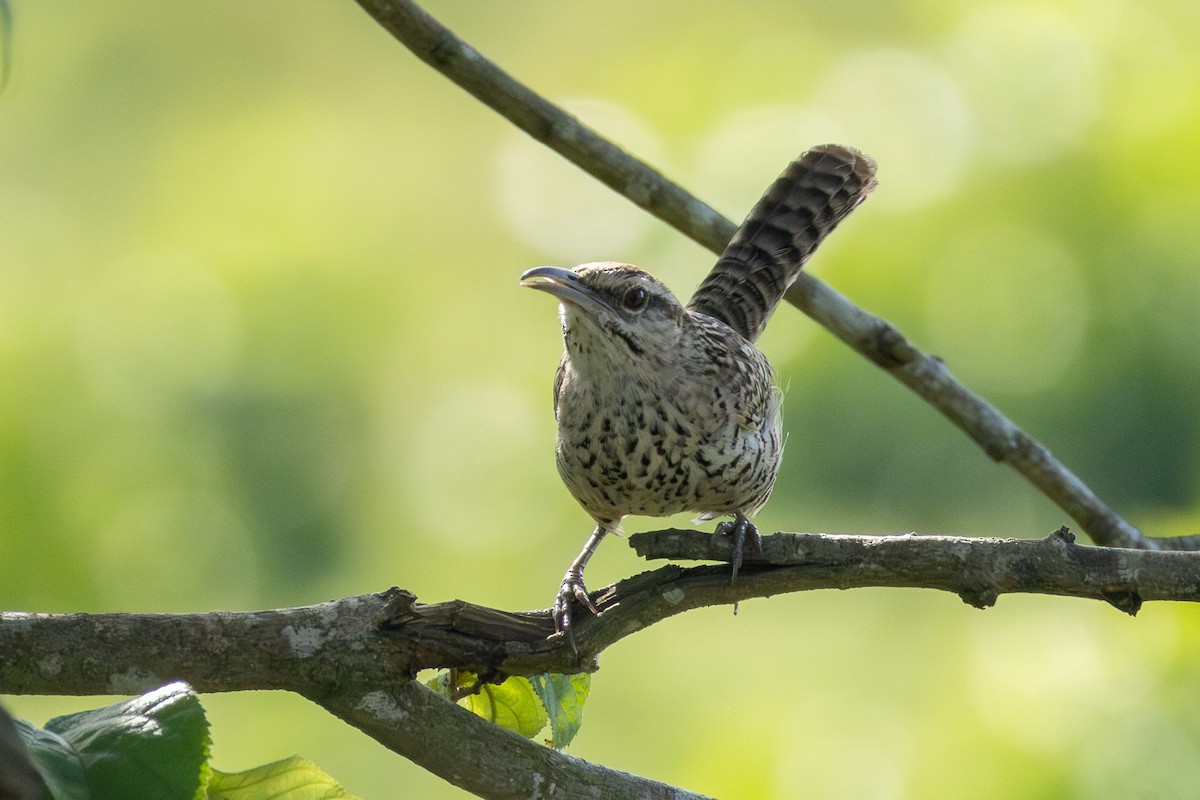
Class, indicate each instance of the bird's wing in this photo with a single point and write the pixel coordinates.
(816, 192)
(558, 380)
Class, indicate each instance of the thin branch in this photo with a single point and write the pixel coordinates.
(626, 175)
(978, 570)
(871, 336)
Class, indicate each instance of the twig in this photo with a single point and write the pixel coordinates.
(869, 335)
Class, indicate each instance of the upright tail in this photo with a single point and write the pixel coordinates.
(816, 192)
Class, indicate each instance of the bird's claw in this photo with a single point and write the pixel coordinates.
(572, 589)
(741, 532)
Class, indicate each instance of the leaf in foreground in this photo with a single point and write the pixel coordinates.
(153, 747)
(57, 762)
(19, 778)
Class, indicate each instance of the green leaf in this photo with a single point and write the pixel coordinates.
(56, 761)
(440, 685)
(154, 747)
(524, 705)
(563, 697)
(20, 776)
(511, 704)
(293, 778)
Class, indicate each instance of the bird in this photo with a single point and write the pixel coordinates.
(663, 407)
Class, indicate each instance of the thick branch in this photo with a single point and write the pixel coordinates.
(337, 655)
(372, 639)
(869, 335)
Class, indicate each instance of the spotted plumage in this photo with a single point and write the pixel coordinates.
(663, 408)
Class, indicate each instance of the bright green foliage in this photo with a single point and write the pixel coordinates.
(511, 704)
(293, 778)
(523, 705)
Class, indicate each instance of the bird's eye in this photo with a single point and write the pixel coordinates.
(635, 298)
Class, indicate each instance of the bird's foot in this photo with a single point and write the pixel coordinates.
(741, 532)
(571, 590)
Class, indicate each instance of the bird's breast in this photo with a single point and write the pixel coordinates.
(661, 444)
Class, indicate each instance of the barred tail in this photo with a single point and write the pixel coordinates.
(816, 192)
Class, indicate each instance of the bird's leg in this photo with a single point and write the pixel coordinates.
(740, 530)
(572, 585)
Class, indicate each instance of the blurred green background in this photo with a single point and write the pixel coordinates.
(262, 343)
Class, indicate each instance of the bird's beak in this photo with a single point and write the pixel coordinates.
(563, 284)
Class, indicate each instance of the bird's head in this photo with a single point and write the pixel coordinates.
(611, 312)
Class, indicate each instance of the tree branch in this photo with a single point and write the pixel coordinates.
(869, 335)
(338, 655)
(977, 570)
(342, 653)
(373, 638)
